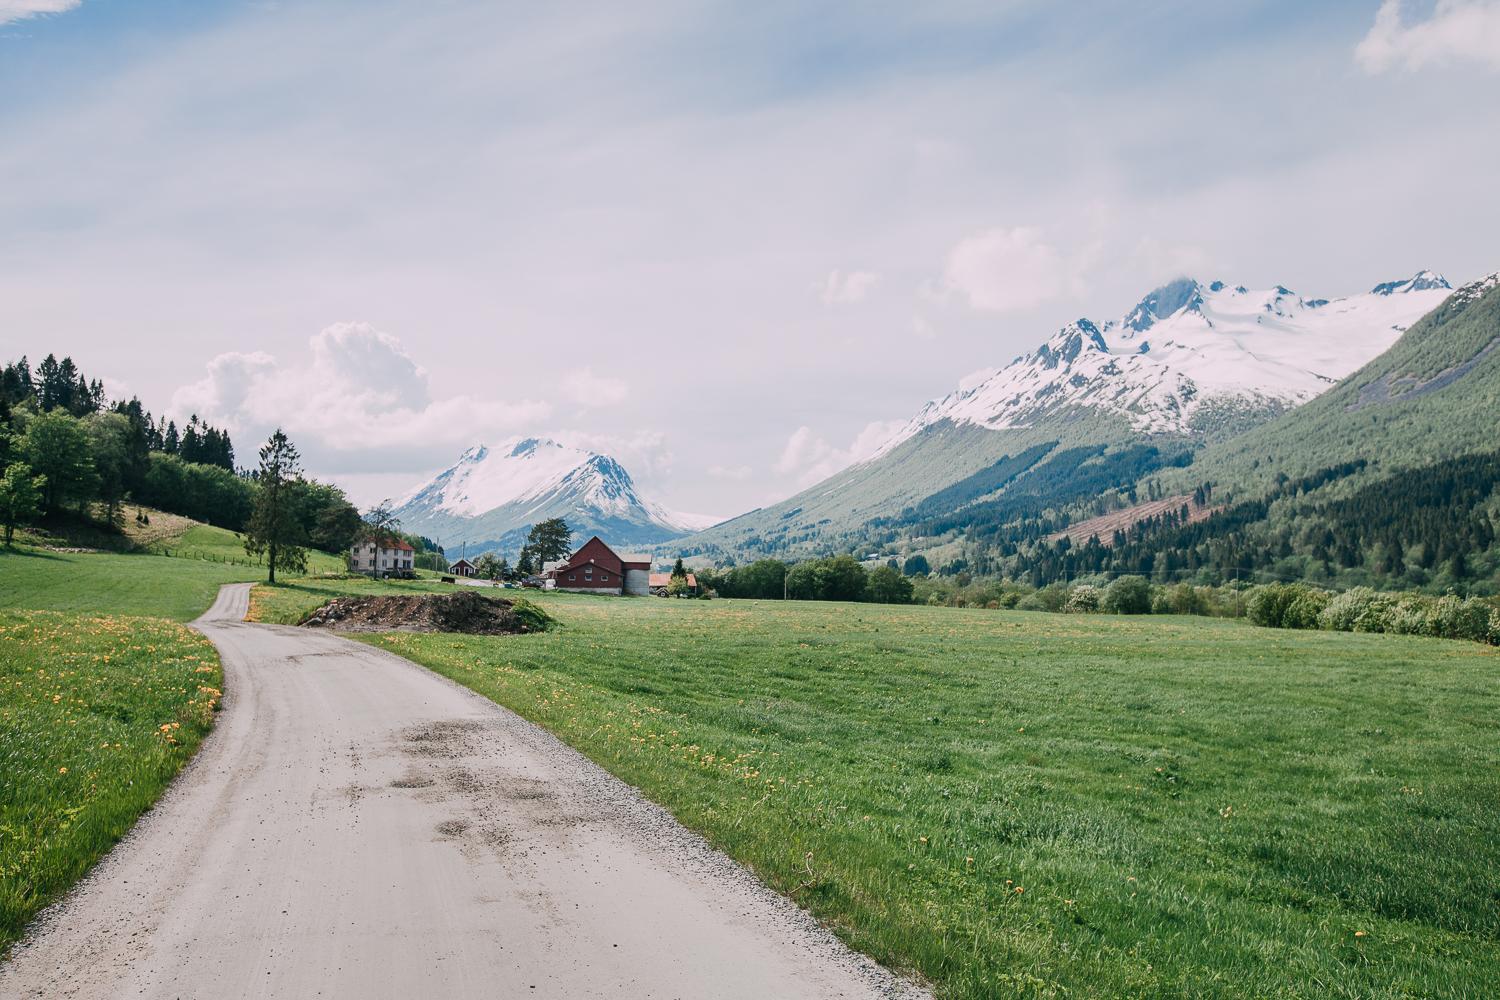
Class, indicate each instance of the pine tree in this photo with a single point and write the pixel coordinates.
(274, 529)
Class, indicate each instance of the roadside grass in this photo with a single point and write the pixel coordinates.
(97, 714)
(1023, 804)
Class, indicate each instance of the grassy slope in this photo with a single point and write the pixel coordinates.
(82, 703)
(936, 458)
(95, 582)
(1037, 805)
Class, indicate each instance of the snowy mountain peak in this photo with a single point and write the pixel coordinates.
(1069, 342)
(1168, 300)
(1422, 281)
(1266, 349)
(525, 480)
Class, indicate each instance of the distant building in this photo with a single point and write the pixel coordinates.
(392, 557)
(597, 569)
(461, 568)
(661, 581)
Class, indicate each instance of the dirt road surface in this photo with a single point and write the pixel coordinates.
(357, 826)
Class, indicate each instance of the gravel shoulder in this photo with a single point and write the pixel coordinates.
(357, 826)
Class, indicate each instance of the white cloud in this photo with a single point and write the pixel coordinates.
(1456, 31)
(356, 397)
(1161, 261)
(809, 458)
(592, 391)
(16, 10)
(734, 473)
(845, 289)
(1003, 270)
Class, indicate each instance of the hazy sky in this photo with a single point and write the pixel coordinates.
(730, 244)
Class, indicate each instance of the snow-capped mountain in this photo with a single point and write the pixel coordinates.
(490, 496)
(1186, 348)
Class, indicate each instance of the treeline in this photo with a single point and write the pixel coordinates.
(66, 450)
(1433, 526)
(59, 385)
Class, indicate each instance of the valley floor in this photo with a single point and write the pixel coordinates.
(1045, 805)
(1005, 803)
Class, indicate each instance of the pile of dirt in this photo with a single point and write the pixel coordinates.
(462, 611)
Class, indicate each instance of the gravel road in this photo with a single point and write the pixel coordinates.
(357, 826)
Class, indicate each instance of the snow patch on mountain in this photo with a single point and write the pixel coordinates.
(1186, 345)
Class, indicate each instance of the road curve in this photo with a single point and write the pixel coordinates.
(357, 826)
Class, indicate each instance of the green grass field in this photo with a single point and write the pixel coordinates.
(1023, 804)
(97, 715)
(111, 583)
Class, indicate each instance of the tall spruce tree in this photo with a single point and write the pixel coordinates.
(275, 530)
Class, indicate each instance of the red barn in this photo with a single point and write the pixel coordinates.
(598, 569)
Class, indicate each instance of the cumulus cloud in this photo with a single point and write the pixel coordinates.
(356, 393)
(1455, 31)
(592, 391)
(1004, 270)
(808, 458)
(845, 289)
(16, 10)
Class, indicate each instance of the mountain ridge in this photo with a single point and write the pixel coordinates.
(1190, 361)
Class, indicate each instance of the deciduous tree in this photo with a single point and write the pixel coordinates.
(20, 498)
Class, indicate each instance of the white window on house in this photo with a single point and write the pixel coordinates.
(572, 576)
(588, 574)
(603, 577)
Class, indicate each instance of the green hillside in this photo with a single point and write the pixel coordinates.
(833, 515)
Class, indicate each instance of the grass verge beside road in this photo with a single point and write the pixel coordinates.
(1023, 804)
(97, 715)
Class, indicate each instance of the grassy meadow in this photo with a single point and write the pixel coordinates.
(98, 712)
(1025, 804)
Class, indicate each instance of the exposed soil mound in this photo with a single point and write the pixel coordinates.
(463, 611)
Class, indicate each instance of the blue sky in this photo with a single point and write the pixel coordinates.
(693, 235)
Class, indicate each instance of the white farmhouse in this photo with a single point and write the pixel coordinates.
(391, 557)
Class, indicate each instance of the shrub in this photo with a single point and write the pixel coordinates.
(1083, 598)
(1129, 595)
(1305, 608)
(1052, 597)
(1359, 610)
(1268, 603)
(1186, 599)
